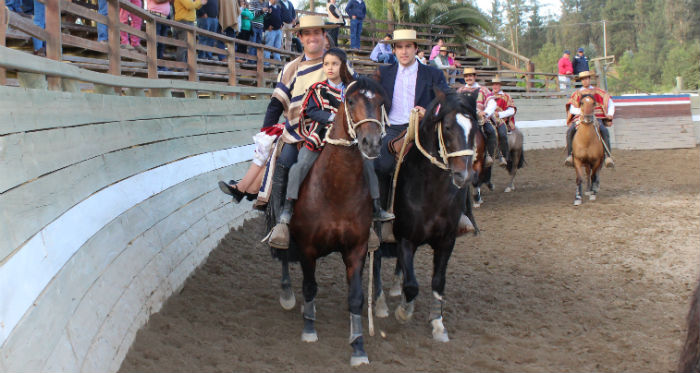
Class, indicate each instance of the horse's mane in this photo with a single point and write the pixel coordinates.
(368, 84)
(462, 103)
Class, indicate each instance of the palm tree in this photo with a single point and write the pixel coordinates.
(461, 15)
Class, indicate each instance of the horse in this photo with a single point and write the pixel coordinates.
(430, 196)
(516, 159)
(690, 356)
(587, 150)
(334, 209)
(482, 173)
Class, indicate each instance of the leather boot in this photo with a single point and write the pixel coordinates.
(569, 139)
(503, 146)
(378, 213)
(609, 163)
(279, 237)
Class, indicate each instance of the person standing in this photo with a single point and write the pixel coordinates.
(289, 19)
(207, 19)
(565, 69)
(273, 29)
(131, 41)
(357, 11)
(256, 31)
(229, 22)
(244, 34)
(580, 62)
(185, 13)
(162, 10)
(335, 17)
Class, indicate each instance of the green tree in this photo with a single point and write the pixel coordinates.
(547, 58)
(684, 61)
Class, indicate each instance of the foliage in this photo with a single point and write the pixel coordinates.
(547, 58)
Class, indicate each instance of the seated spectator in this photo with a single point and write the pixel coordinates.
(455, 65)
(442, 63)
(207, 19)
(382, 52)
(131, 41)
(421, 57)
(436, 49)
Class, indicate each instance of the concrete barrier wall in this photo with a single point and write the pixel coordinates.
(107, 204)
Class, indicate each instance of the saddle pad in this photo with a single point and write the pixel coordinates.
(396, 144)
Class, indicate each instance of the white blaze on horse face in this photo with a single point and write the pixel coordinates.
(466, 125)
(368, 94)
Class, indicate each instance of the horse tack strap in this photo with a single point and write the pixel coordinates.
(352, 125)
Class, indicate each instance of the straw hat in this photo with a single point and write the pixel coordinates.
(443, 49)
(469, 70)
(496, 79)
(404, 35)
(309, 22)
(585, 74)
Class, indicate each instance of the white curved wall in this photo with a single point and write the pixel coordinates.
(107, 204)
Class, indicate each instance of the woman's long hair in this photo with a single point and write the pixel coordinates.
(345, 75)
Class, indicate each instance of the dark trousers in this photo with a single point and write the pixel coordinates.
(161, 30)
(503, 140)
(490, 134)
(333, 34)
(180, 34)
(243, 35)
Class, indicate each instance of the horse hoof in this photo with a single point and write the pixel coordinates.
(395, 290)
(508, 190)
(309, 337)
(588, 192)
(439, 332)
(356, 361)
(402, 315)
(577, 202)
(477, 204)
(592, 197)
(287, 299)
(381, 310)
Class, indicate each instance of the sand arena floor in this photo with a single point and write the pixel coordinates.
(546, 287)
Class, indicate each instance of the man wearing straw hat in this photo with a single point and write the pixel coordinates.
(483, 94)
(442, 62)
(296, 77)
(502, 107)
(604, 112)
(408, 84)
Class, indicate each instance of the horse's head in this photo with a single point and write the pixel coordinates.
(587, 109)
(364, 110)
(453, 117)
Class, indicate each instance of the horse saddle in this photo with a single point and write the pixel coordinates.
(396, 144)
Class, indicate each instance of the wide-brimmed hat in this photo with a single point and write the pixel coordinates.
(585, 74)
(309, 22)
(443, 49)
(496, 79)
(469, 70)
(404, 35)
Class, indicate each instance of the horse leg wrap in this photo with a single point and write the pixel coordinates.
(355, 327)
(309, 313)
(404, 312)
(309, 310)
(437, 306)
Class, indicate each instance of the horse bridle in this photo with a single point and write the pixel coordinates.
(442, 149)
(352, 125)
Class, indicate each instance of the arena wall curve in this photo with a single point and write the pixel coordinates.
(108, 203)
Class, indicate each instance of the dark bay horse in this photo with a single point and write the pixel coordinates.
(431, 195)
(690, 356)
(334, 209)
(482, 173)
(587, 151)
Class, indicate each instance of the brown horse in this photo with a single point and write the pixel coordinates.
(588, 151)
(690, 357)
(516, 160)
(482, 173)
(334, 209)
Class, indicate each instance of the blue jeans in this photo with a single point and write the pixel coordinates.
(14, 5)
(161, 30)
(209, 24)
(39, 20)
(255, 37)
(355, 32)
(102, 28)
(273, 38)
(386, 58)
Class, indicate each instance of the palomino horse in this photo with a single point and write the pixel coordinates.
(334, 209)
(431, 195)
(587, 150)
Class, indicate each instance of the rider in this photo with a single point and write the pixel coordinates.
(484, 93)
(408, 85)
(604, 111)
(319, 108)
(502, 107)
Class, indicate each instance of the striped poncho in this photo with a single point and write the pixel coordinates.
(319, 108)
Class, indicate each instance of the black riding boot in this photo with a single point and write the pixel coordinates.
(570, 139)
(287, 211)
(490, 135)
(378, 213)
(606, 138)
(503, 145)
(279, 237)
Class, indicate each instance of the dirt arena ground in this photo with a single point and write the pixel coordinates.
(546, 287)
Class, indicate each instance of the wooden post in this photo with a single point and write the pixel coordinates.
(231, 64)
(114, 54)
(260, 70)
(151, 48)
(53, 42)
(4, 20)
(528, 78)
(191, 55)
(498, 59)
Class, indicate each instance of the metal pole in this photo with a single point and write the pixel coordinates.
(605, 40)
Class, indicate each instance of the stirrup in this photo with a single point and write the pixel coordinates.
(502, 162)
(279, 237)
(488, 160)
(609, 163)
(464, 226)
(569, 161)
(383, 215)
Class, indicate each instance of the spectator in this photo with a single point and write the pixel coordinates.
(442, 63)
(185, 13)
(335, 17)
(229, 21)
(289, 19)
(39, 20)
(436, 49)
(382, 51)
(565, 69)
(357, 11)
(160, 9)
(454, 64)
(244, 34)
(207, 19)
(273, 29)
(101, 27)
(256, 28)
(580, 62)
(14, 5)
(131, 41)
(421, 57)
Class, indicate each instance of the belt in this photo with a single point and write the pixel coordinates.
(158, 13)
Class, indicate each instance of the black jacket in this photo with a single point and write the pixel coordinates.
(427, 78)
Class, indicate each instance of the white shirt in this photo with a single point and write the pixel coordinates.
(491, 107)
(404, 93)
(611, 106)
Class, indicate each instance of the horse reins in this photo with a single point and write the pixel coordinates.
(442, 149)
(352, 125)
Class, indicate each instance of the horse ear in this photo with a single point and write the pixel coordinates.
(439, 94)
